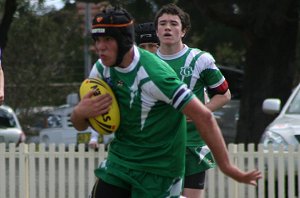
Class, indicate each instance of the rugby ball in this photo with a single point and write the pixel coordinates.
(107, 123)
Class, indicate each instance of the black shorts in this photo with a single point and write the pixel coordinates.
(195, 181)
(103, 189)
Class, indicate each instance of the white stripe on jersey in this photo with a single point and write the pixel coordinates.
(151, 89)
(96, 74)
(206, 61)
(175, 188)
(187, 63)
(203, 152)
(150, 94)
(218, 83)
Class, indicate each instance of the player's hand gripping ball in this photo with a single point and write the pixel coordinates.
(107, 123)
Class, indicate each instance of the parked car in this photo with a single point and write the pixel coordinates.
(60, 130)
(10, 127)
(285, 129)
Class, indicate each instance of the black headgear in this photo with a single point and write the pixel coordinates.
(145, 33)
(117, 23)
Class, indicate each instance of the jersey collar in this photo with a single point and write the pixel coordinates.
(133, 64)
(172, 56)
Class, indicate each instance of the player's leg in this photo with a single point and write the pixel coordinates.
(194, 185)
(198, 159)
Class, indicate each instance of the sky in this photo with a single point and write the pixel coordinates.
(58, 4)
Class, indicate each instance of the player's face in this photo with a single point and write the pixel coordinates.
(151, 47)
(107, 49)
(169, 30)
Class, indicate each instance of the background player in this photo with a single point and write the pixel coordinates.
(198, 70)
(145, 36)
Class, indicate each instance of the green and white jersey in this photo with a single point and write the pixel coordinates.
(198, 70)
(152, 132)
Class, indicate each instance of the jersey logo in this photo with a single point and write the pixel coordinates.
(186, 71)
(120, 83)
(109, 81)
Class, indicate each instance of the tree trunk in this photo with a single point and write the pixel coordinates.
(9, 11)
(270, 29)
(269, 72)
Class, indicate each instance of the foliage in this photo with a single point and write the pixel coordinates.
(227, 55)
(223, 42)
(269, 29)
(40, 61)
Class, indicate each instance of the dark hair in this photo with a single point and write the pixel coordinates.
(174, 10)
(117, 23)
(145, 33)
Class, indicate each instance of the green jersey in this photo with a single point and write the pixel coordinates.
(198, 70)
(152, 132)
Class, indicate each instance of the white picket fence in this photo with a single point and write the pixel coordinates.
(32, 171)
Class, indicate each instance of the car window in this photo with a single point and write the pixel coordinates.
(6, 119)
(294, 107)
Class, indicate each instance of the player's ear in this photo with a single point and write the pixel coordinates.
(183, 32)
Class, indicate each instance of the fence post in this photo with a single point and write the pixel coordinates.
(11, 166)
(261, 167)
(23, 170)
(2, 170)
(281, 172)
(251, 153)
(271, 171)
(232, 185)
(291, 171)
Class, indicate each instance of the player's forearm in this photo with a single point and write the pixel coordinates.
(78, 121)
(218, 100)
(212, 136)
(209, 131)
(1, 79)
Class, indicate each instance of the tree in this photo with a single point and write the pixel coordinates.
(10, 7)
(270, 30)
(43, 61)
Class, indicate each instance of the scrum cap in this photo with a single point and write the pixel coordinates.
(116, 23)
(145, 33)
